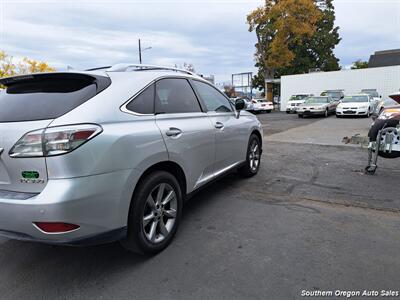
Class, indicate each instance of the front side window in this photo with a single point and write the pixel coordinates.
(175, 95)
(298, 97)
(213, 100)
(144, 102)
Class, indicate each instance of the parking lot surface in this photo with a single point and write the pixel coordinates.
(310, 220)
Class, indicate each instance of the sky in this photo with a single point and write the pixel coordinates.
(210, 34)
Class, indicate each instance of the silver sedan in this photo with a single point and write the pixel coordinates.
(318, 105)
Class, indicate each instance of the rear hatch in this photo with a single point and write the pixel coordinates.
(30, 103)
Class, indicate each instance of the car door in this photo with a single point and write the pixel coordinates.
(186, 129)
(231, 133)
(373, 103)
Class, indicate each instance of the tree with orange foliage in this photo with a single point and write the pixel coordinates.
(26, 66)
(281, 25)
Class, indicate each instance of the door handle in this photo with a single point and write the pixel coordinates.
(219, 125)
(173, 132)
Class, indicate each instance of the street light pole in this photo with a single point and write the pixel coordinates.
(141, 50)
(140, 53)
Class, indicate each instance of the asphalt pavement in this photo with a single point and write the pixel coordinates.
(309, 221)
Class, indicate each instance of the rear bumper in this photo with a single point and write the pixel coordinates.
(263, 108)
(94, 239)
(99, 204)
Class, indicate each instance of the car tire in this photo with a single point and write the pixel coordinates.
(338, 116)
(300, 115)
(268, 111)
(288, 112)
(152, 238)
(368, 113)
(253, 158)
(326, 114)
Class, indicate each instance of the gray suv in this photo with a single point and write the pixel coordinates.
(112, 153)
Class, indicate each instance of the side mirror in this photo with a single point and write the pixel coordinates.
(240, 104)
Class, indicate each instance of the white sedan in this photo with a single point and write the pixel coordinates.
(262, 105)
(355, 105)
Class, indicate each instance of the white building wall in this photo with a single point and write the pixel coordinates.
(385, 80)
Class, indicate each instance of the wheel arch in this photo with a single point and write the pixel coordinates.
(171, 167)
(258, 134)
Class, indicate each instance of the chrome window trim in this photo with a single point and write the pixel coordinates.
(124, 108)
(222, 94)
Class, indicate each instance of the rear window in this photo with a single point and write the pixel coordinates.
(334, 95)
(45, 97)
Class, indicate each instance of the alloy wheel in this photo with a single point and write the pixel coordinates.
(254, 155)
(159, 213)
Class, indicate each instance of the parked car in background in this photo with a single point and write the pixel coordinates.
(295, 101)
(262, 105)
(377, 100)
(317, 105)
(356, 105)
(390, 102)
(249, 105)
(97, 156)
(334, 94)
(372, 92)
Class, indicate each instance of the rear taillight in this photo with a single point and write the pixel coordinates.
(54, 140)
(53, 227)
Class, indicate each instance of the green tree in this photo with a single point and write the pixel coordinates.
(359, 64)
(258, 80)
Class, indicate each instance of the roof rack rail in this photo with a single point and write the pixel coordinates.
(98, 68)
(140, 67)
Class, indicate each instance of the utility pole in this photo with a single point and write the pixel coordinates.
(140, 53)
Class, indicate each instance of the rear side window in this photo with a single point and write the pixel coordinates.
(44, 98)
(144, 102)
(175, 96)
(213, 100)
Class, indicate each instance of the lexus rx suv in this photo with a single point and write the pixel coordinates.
(112, 153)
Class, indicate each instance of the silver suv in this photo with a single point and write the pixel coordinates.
(112, 153)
